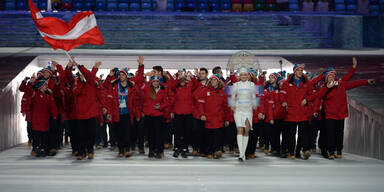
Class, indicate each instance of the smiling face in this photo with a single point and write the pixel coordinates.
(299, 73)
(272, 79)
(330, 77)
(244, 76)
(46, 74)
(122, 76)
(202, 75)
(156, 83)
(214, 82)
(221, 73)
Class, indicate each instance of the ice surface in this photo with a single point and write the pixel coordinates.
(21, 172)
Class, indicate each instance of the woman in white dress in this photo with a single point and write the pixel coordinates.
(243, 102)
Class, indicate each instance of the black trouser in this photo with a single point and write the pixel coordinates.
(299, 147)
(323, 136)
(29, 131)
(183, 130)
(134, 134)
(104, 136)
(74, 135)
(168, 130)
(315, 127)
(53, 134)
(305, 136)
(60, 131)
(141, 133)
(275, 135)
(230, 133)
(262, 135)
(112, 134)
(284, 137)
(123, 129)
(213, 140)
(199, 136)
(155, 125)
(101, 133)
(67, 131)
(279, 124)
(87, 133)
(266, 132)
(40, 140)
(335, 135)
(252, 139)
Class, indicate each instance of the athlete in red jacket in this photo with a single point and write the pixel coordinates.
(121, 97)
(212, 108)
(273, 115)
(182, 109)
(336, 109)
(155, 103)
(298, 91)
(43, 108)
(199, 127)
(87, 109)
(26, 110)
(165, 79)
(317, 114)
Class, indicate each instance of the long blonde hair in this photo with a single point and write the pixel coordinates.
(153, 93)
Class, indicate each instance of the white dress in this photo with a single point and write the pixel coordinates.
(243, 98)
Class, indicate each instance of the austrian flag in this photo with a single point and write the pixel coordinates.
(82, 29)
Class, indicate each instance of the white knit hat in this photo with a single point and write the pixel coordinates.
(243, 70)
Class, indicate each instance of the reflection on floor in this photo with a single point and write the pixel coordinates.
(21, 172)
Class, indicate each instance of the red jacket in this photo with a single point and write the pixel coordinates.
(68, 80)
(170, 98)
(196, 97)
(213, 104)
(183, 98)
(58, 96)
(25, 102)
(87, 96)
(139, 101)
(260, 109)
(335, 99)
(43, 108)
(169, 87)
(230, 115)
(149, 103)
(313, 105)
(69, 103)
(316, 105)
(112, 101)
(273, 107)
(294, 96)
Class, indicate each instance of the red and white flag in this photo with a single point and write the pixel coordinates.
(82, 29)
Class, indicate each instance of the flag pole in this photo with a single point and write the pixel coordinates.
(69, 56)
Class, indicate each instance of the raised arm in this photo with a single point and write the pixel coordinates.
(357, 83)
(139, 78)
(351, 71)
(23, 85)
(317, 79)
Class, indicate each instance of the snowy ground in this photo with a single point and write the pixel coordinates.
(21, 172)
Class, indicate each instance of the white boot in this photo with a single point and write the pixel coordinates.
(244, 147)
(240, 145)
